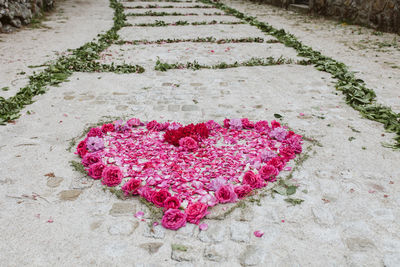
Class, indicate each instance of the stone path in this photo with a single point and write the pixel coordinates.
(52, 215)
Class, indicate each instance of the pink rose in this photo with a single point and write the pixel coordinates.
(96, 170)
(188, 143)
(277, 163)
(152, 125)
(95, 132)
(109, 127)
(90, 158)
(261, 126)
(243, 190)
(253, 180)
(287, 153)
(173, 219)
(131, 187)
(172, 203)
(269, 173)
(159, 197)
(134, 122)
(196, 211)
(226, 194)
(112, 176)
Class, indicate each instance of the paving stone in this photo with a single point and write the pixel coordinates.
(323, 216)
(215, 253)
(69, 195)
(251, 256)
(157, 232)
(122, 209)
(215, 233)
(189, 108)
(182, 252)
(54, 182)
(151, 247)
(124, 228)
(240, 231)
(359, 244)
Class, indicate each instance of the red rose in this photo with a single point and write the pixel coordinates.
(201, 130)
(173, 219)
(131, 187)
(243, 190)
(81, 150)
(112, 176)
(172, 203)
(159, 197)
(275, 124)
(247, 124)
(287, 153)
(109, 127)
(226, 194)
(95, 132)
(196, 211)
(254, 181)
(269, 173)
(96, 170)
(277, 163)
(152, 125)
(227, 123)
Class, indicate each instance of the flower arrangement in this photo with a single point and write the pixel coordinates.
(186, 169)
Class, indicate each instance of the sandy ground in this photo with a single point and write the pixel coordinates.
(350, 183)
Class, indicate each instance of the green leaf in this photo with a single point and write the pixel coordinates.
(278, 116)
(294, 201)
(291, 190)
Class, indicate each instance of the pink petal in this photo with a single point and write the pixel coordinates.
(203, 226)
(258, 233)
(139, 214)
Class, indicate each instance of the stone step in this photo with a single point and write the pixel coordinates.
(300, 8)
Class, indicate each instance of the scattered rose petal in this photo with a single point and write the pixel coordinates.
(203, 226)
(258, 233)
(371, 191)
(139, 214)
(50, 220)
(283, 221)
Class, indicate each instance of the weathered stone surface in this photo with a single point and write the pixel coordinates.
(157, 232)
(151, 247)
(215, 253)
(214, 234)
(240, 231)
(122, 208)
(323, 216)
(251, 256)
(183, 253)
(70, 194)
(124, 228)
(359, 244)
(54, 182)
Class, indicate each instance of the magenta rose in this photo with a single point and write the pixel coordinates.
(287, 153)
(195, 212)
(247, 124)
(134, 122)
(277, 163)
(90, 158)
(112, 176)
(253, 180)
(152, 125)
(173, 219)
(96, 170)
(188, 143)
(172, 203)
(226, 194)
(146, 193)
(159, 197)
(261, 126)
(243, 190)
(269, 173)
(275, 124)
(109, 127)
(95, 132)
(131, 187)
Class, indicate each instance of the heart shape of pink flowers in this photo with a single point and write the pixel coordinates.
(186, 169)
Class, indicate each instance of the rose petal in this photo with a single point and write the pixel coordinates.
(258, 233)
(203, 226)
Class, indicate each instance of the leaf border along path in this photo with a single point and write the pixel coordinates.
(253, 62)
(161, 23)
(78, 60)
(161, 14)
(194, 40)
(356, 93)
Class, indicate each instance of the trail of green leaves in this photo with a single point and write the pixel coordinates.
(357, 95)
(80, 59)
